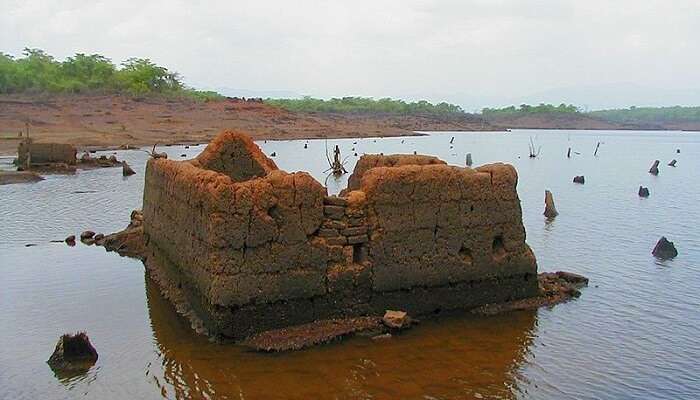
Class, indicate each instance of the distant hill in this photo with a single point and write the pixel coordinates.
(681, 118)
(567, 116)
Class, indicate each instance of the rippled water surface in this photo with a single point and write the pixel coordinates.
(634, 333)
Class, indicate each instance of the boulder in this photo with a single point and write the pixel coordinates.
(126, 169)
(643, 191)
(672, 163)
(549, 210)
(664, 249)
(654, 170)
(87, 235)
(396, 319)
(73, 353)
(70, 240)
(579, 179)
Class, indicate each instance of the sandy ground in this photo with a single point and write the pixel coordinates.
(106, 121)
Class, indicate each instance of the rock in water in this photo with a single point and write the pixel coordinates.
(70, 240)
(73, 353)
(654, 170)
(643, 192)
(672, 163)
(549, 210)
(469, 159)
(126, 169)
(664, 249)
(396, 319)
(678, 151)
(579, 179)
(87, 235)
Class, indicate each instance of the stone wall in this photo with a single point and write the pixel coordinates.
(257, 248)
(46, 153)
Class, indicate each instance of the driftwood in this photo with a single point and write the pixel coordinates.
(154, 154)
(534, 152)
(337, 167)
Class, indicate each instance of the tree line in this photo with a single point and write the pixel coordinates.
(525, 109)
(364, 105)
(37, 72)
(653, 115)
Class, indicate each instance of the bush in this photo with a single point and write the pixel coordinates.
(39, 72)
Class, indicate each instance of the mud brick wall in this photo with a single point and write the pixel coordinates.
(237, 242)
(435, 225)
(46, 153)
(258, 248)
(369, 161)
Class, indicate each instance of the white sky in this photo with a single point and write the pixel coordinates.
(473, 52)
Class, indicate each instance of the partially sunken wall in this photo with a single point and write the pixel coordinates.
(256, 248)
(46, 153)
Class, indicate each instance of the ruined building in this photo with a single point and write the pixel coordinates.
(255, 248)
(45, 153)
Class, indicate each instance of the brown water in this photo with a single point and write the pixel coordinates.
(633, 334)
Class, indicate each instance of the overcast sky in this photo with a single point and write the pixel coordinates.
(473, 52)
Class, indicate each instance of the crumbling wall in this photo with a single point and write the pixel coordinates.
(46, 153)
(369, 161)
(437, 225)
(257, 248)
(234, 154)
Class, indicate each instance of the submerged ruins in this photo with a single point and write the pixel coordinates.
(254, 248)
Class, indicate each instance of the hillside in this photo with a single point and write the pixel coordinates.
(680, 118)
(563, 116)
(553, 120)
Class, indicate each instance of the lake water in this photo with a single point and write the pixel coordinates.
(633, 334)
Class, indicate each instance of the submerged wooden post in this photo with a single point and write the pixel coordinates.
(654, 170)
(337, 165)
(549, 210)
(568, 153)
(595, 153)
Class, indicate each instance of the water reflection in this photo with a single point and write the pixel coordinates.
(452, 357)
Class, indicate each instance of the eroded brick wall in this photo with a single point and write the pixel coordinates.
(46, 153)
(263, 248)
(433, 225)
(238, 242)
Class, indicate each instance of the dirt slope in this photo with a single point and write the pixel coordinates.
(557, 121)
(87, 121)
